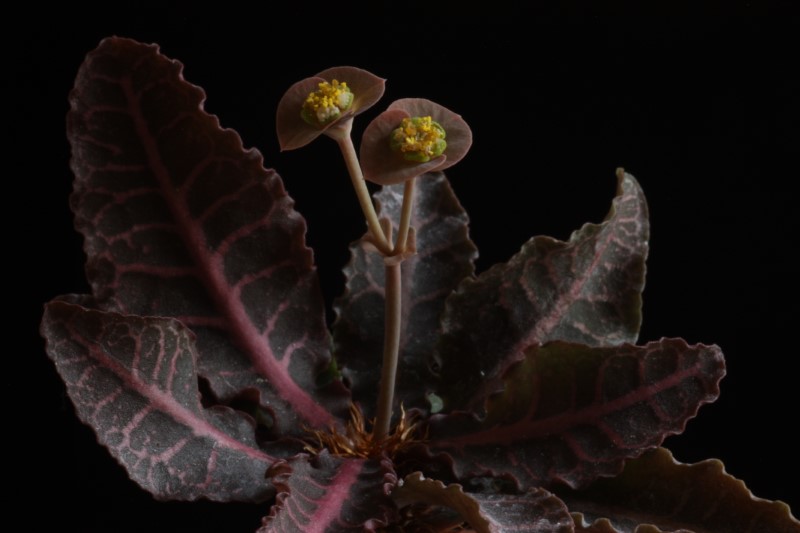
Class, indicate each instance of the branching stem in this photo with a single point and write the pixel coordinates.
(393, 259)
(345, 143)
(393, 316)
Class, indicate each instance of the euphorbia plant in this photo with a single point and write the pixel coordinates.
(514, 400)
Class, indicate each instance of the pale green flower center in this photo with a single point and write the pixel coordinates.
(326, 104)
(419, 139)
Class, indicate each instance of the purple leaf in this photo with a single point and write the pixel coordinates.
(417, 490)
(599, 526)
(586, 290)
(537, 511)
(180, 221)
(445, 257)
(330, 494)
(134, 381)
(655, 494)
(570, 413)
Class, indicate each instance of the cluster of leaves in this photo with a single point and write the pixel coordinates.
(530, 394)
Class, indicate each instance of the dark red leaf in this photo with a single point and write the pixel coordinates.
(570, 413)
(587, 290)
(657, 494)
(600, 526)
(417, 490)
(134, 381)
(445, 256)
(180, 221)
(536, 511)
(330, 494)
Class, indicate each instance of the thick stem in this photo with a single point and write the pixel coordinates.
(391, 348)
(405, 216)
(345, 143)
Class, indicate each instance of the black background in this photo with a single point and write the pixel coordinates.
(703, 110)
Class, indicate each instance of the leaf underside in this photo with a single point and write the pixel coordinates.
(330, 494)
(570, 413)
(445, 256)
(586, 290)
(656, 494)
(134, 381)
(180, 221)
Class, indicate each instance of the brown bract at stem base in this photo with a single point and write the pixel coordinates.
(358, 441)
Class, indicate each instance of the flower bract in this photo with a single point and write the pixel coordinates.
(314, 105)
(412, 137)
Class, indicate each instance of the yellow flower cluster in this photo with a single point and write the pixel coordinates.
(327, 103)
(419, 139)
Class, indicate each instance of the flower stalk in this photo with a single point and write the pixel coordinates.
(393, 306)
(405, 217)
(345, 142)
(391, 345)
(401, 144)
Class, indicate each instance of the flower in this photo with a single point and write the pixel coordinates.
(327, 103)
(412, 137)
(314, 105)
(418, 139)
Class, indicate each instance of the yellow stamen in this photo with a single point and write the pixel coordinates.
(419, 139)
(327, 103)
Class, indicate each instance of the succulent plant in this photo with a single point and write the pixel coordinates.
(514, 400)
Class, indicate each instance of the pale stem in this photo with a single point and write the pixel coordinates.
(345, 143)
(391, 347)
(393, 324)
(393, 259)
(405, 216)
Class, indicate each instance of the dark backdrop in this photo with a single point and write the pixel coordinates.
(702, 110)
